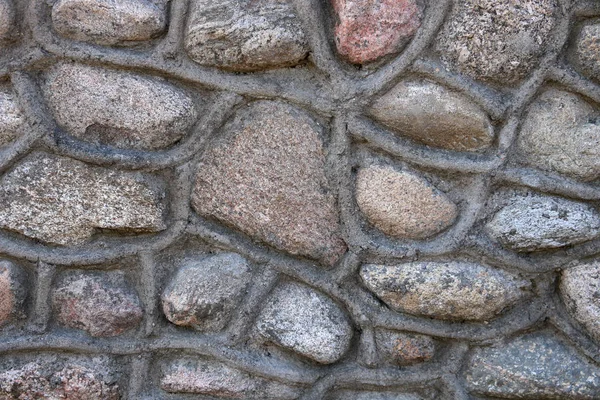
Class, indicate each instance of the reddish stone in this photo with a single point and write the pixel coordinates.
(370, 29)
(12, 292)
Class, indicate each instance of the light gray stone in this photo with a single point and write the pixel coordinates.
(445, 290)
(60, 200)
(12, 119)
(110, 22)
(245, 35)
(536, 222)
(429, 113)
(561, 133)
(7, 16)
(13, 291)
(118, 108)
(534, 367)
(588, 50)
(402, 204)
(306, 322)
(580, 290)
(404, 348)
(204, 293)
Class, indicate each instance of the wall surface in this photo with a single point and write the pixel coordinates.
(299, 199)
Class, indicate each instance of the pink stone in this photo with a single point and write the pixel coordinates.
(370, 29)
(12, 292)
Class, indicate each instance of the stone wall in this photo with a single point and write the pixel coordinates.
(299, 199)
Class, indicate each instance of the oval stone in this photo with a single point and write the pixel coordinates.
(580, 290)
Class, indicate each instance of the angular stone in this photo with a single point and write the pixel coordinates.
(99, 303)
(404, 348)
(12, 119)
(496, 40)
(217, 379)
(352, 395)
(402, 204)
(580, 290)
(204, 293)
(118, 108)
(306, 322)
(7, 16)
(429, 113)
(561, 133)
(13, 291)
(588, 50)
(536, 366)
(266, 177)
(531, 223)
(60, 200)
(445, 290)
(368, 30)
(242, 35)
(109, 22)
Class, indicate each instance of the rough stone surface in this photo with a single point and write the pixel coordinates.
(7, 15)
(109, 22)
(588, 50)
(429, 113)
(60, 200)
(306, 322)
(580, 290)
(348, 395)
(266, 177)
(531, 223)
(368, 30)
(404, 348)
(13, 291)
(402, 204)
(536, 366)
(217, 379)
(445, 290)
(496, 40)
(12, 120)
(98, 303)
(118, 108)
(561, 133)
(244, 35)
(204, 293)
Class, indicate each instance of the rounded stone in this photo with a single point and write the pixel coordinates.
(7, 16)
(404, 348)
(13, 292)
(588, 50)
(402, 204)
(12, 119)
(580, 290)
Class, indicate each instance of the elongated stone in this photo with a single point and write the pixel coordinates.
(404, 348)
(366, 395)
(7, 16)
(444, 290)
(588, 50)
(12, 119)
(580, 290)
(13, 291)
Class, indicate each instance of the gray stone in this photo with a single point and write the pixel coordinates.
(445, 290)
(535, 367)
(13, 291)
(217, 379)
(535, 222)
(561, 133)
(429, 113)
(402, 204)
(60, 200)
(244, 35)
(352, 395)
(101, 304)
(118, 108)
(588, 50)
(496, 40)
(580, 290)
(404, 348)
(110, 22)
(306, 322)
(266, 177)
(204, 293)
(12, 119)
(7, 16)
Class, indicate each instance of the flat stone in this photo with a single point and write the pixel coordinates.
(580, 290)
(266, 177)
(242, 35)
(531, 223)
(445, 290)
(561, 133)
(13, 291)
(7, 16)
(363, 395)
(496, 40)
(60, 200)
(404, 348)
(118, 108)
(110, 22)
(306, 322)
(402, 204)
(536, 366)
(430, 114)
(588, 50)
(366, 30)
(217, 379)
(12, 119)
(204, 293)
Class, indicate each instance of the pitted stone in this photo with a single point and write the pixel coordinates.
(588, 50)
(13, 291)
(404, 348)
(12, 119)
(580, 290)
(7, 16)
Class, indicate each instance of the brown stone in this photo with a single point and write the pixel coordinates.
(12, 292)
(588, 50)
(404, 348)
(7, 16)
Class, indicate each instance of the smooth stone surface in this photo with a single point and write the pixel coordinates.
(580, 290)
(588, 50)
(204, 293)
(242, 35)
(12, 119)
(7, 16)
(368, 30)
(429, 113)
(531, 223)
(306, 322)
(496, 40)
(13, 291)
(266, 177)
(404, 348)
(402, 204)
(534, 367)
(60, 200)
(110, 22)
(118, 108)
(561, 133)
(445, 290)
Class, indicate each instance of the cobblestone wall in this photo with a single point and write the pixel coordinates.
(299, 199)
